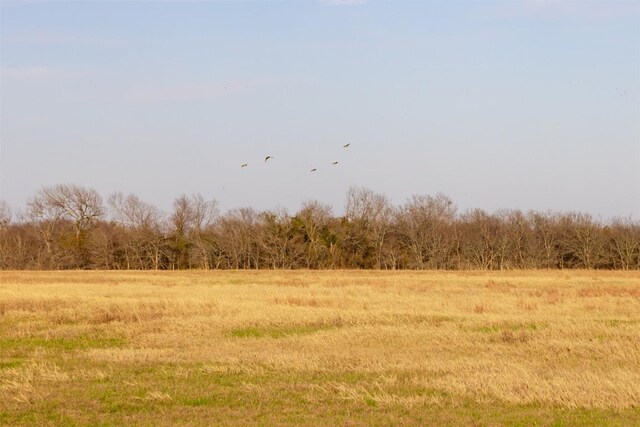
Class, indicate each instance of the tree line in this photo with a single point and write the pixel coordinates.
(72, 227)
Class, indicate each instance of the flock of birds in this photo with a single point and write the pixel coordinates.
(244, 165)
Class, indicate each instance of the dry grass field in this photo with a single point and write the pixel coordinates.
(320, 348)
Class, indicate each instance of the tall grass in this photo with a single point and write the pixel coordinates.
(319, 347)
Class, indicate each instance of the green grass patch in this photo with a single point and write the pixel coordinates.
(507, 326)
(616, 323)
(279, 331)
(197, 401)
(81, 342)
(12, 362)
(196, 396)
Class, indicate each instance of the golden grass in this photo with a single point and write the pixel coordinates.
(319, 347)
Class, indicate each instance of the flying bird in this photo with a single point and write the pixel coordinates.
(268, 157)
(313, 170)
(334, 163)
(346, 145)
(244, 165)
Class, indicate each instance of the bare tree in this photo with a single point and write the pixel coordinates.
(191, 215)
(480, 239)
(546, 231)
(515, 239)
(142, 240)
(5, 214)
(63, 227)
(314, 221)
(5, 240)
(281, 246)
(103, 247)
(583, 240)
(425, 225)
(48, 229)
(624, 243)
(368, 216)
(237, 232)
(132, 212)
(80, 205)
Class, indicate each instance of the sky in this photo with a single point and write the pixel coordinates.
(499, 105)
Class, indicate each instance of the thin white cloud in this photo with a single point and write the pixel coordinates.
(194, 92)
(342, 2)
(557, 9)
(61, 39)
(40, 73)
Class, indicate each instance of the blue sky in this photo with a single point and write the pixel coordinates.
(527, 105)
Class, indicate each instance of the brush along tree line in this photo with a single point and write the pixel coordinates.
(71, 227)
